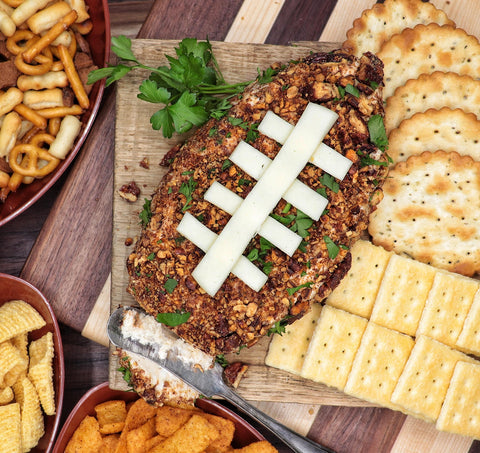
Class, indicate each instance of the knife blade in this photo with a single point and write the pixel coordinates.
(209, 382)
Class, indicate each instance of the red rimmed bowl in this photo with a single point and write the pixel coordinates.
(244, 433)
(99, 42)
(13, 288)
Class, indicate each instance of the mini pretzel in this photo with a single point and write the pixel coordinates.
(44, 63)
(73, 77)
(55, 112)
(41, 139)
(30, 115)
(49, 37)
(19, 36)
(33, 154)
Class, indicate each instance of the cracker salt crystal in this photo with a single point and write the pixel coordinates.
(432, 91)
(424, 382)
(378, 364)
(446, 129)
(469, 339)
(357, 291)
(447, 306)
(287, 351)
(402, 294)
(379, 23)
(333, 347)
(425, 49)
(460, 412)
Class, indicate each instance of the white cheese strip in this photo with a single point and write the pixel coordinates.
(307, 200)
(250, 160)
(275, 127)
(280, 236)
(250, 274)
(222, 197)
(254, 163)
(331, 161)
(272, 230)
(324, 157)
(220, 258)
(196, 232)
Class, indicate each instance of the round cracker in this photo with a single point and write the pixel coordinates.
(379, 23)
(432, 91)
(425, 49)
(446, 129)
(431, 211)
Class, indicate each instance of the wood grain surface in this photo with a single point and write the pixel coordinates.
(57, 221)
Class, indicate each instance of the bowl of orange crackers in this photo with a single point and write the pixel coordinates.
(32, 373)
(110, 420)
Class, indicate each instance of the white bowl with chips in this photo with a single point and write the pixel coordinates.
(13, 288)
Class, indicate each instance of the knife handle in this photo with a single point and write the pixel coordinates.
(296, 442)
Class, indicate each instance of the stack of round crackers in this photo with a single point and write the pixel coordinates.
(431, 205)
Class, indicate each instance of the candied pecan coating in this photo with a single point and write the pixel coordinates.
(237, 315)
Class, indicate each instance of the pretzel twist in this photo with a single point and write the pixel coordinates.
(32, 154)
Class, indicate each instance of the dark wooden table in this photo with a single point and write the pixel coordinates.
(44, 245)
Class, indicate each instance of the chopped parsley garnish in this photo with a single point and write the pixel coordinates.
(292, 291)
(266, 75)
(279, 326)
(151, 256)
(187, 189)
(222, 360)
(146, 213)
(126, 374)
(376, 129)
(330, 182)
(332, 248)
(192, 87)
(173, 319)
(226, 164)
(244, 182)
(170, 285)
(352, 90)
(302, 224)
(366, 160)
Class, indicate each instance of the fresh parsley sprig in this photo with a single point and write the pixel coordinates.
(192, 88)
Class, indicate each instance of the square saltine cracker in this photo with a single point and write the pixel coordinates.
(379, 361)
(333, 347)
(460, 412)
(402, 294)
(287, 351)
(469, 339)
(424, 382)
(357, 291)
(447, 306)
